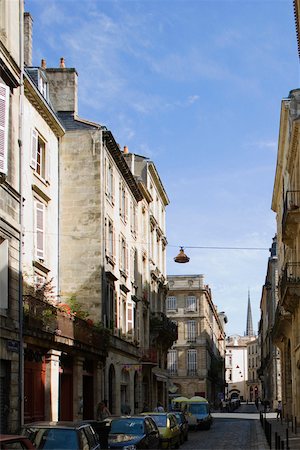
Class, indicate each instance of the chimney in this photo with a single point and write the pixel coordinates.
(43, 64)
(28, 21)
(125, 151)
(63, 89)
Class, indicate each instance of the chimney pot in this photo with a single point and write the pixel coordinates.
(125, 149)
(62, 63)
(43, 64)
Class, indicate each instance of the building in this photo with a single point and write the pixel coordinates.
(196, 360)
(159, 331)
(237, 362)
(270, 368)
(253, 382)
(285, 203)
(11, 147)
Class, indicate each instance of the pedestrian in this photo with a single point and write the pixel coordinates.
(145, 407)
(159, 407)
(102, 411)
(279, 410)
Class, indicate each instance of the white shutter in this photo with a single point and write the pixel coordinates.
(48, 163)
(4, 105)
(40, 229)
(4, 274)
(130, 319)
(34, 144)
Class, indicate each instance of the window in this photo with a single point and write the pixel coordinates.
(172, 362)
(38, 156)
(4, 105)
(191, 331)
(110, 239)
(130, 324)
(39, 230)
(110, 191)
(192, 362)
(43, 85)
(3, 273)
(123, 254)
(171, 303)
(190, 303)
(133, 219)
(123, 203)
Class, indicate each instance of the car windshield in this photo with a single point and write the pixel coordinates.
(161, 421)
(198, 408)
(179, 417)
(53, 438)
(127, 426)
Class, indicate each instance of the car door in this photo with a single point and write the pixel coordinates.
(152, 433)
(175, 432)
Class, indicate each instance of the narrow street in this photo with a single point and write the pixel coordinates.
(238, 430)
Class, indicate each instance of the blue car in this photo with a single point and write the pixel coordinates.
(133, 432)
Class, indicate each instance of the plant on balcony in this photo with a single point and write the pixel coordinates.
(73, 309)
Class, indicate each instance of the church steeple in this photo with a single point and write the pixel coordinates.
(249, 325)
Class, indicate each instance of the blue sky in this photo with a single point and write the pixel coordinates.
(196, 86)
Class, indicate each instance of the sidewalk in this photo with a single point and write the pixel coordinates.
(281, 427)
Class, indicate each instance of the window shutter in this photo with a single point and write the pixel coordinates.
(112, 186)
(126, 208)
(126, 259)
(40, 229)
(114, 243)
(129, 317)
(4, 105)
(4, 274)
(34, 144)
(48, 164)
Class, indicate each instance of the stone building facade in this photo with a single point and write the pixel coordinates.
(236, 366)
(159, 331)
(269, 371)
(196, 361)
(285, 203)
(254, 391)
(11, 347)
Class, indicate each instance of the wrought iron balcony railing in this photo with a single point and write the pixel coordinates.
(291, 213)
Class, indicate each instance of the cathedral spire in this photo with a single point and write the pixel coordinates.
(249, 325)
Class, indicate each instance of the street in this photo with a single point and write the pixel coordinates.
(237, 430)
(225, 434)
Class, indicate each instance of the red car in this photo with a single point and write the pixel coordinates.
(14, 441)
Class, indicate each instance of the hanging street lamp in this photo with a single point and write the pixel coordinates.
(181, 257)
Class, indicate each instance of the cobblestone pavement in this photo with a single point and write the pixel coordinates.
(239, 430)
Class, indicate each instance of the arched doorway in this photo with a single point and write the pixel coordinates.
(112, 389)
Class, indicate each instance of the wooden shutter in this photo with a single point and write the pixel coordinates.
(40, 229)
(4, 274)
(34, 144)
(4, 105)
(129, 317)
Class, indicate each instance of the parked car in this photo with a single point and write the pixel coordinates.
(133, 432)
(102, 428)
(169, 429)
(183, 424)
(62, 435)
(13, 441)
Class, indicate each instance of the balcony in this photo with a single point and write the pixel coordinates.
(48, 323)
(289, 285)
(163, 328)
(290, 216)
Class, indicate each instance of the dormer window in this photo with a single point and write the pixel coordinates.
(43, 86)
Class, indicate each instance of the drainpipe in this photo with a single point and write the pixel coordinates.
(20, 142)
